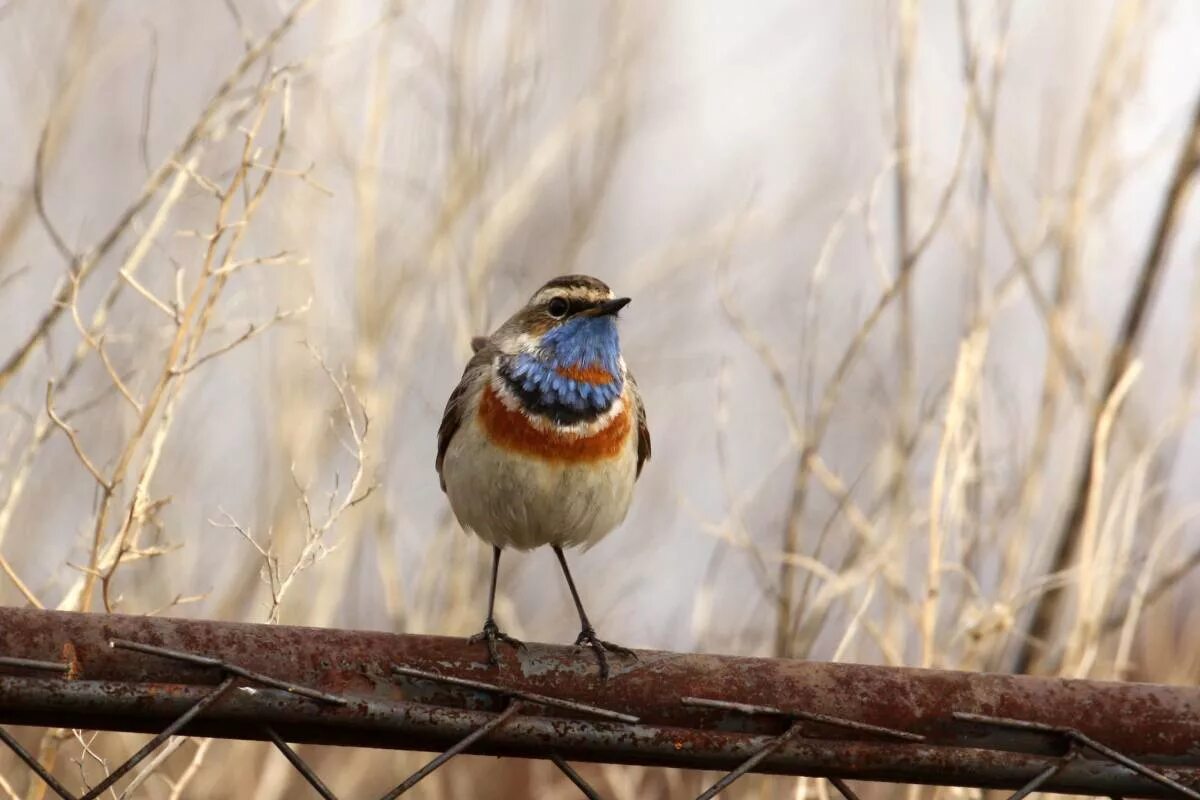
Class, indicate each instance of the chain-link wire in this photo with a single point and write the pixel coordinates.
(801, 728)
(517, 700)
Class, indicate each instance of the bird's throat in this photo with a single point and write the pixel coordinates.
(567, 393)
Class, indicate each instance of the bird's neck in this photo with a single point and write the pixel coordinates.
(574, 375)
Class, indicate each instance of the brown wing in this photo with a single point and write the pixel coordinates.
(643, 430)
(456, 406)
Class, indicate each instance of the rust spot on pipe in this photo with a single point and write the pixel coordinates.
(74, 668)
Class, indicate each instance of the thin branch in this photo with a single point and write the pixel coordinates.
(1119, 359)
(252, 330)
(97, 344)
(20, 584)
(171, 313)
(86, 264)
(74, 439)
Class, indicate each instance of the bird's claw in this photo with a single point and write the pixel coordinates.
(588, 638)
(492, 634)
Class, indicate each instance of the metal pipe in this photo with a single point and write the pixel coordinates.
(415, 726)
(143, 690)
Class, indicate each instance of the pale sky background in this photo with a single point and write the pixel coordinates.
(749, 128)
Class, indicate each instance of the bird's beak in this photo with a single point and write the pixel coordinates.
(609, 307)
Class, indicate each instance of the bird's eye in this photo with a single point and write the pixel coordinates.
(558, 307)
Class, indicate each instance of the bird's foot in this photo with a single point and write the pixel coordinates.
(492, 634)
(587, 638)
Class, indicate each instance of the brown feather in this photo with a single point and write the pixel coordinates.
(455, 407)
(643, 429)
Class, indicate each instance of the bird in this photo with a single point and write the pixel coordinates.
(545, 436)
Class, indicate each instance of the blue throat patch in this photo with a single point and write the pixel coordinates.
(579, 343)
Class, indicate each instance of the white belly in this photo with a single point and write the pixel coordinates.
(514, 500)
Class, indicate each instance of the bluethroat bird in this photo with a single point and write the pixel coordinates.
(545, 435)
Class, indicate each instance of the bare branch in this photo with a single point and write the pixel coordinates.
(74, 439)
(252, 330)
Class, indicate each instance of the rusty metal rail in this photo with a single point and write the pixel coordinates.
(737, 715)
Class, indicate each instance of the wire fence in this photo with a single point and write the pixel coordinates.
(739, 715)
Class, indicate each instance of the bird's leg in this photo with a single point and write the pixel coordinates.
(587, 635)
(491, 633)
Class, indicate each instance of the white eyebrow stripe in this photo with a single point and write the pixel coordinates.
(582, 293)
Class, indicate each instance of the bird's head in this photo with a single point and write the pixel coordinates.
(563, 347)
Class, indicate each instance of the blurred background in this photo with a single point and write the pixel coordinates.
(915, 312)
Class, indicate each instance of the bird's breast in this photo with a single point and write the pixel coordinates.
(507, 426)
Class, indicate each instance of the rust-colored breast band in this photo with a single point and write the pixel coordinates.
(513, 431)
